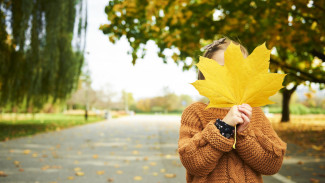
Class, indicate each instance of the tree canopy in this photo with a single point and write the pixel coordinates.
(294, 28)
(41, 49)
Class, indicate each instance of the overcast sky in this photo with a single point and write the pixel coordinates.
(110, 64)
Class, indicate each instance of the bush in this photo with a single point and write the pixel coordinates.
(298, 109)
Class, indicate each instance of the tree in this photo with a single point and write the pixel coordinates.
(294, 29)
(128, 100)
(41, 49)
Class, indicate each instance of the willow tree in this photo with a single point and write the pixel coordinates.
(42, 45)
(295, 29)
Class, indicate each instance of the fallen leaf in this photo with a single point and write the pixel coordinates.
(312, 180)
(155, 174)
(77, 169)
(27, 151)
(21, 170)
(3, 174)
(138, 146)
(145, 167)
(170, 175)
(95, 156)
(100, 172)
(162, 170)
(119, 172)
(110, 180)
(80, 173)
(153, 163)
(317, 148)
(300, 162)
(137, 178)
(70, 177)
(17, 163)
(135, 152)
(45, 167)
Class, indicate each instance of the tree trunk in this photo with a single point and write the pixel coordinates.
(86, 114)
(285, 104)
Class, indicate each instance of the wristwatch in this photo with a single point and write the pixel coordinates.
(225, 129)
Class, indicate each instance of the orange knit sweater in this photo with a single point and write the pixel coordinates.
(209, 157)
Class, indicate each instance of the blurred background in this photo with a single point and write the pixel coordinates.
(70, 62)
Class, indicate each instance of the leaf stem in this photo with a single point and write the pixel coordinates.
(234, 145)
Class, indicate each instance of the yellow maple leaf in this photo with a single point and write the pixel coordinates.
(240, 80)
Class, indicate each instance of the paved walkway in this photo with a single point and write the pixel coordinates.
(130, 149)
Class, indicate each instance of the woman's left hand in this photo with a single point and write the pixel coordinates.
(246, 115)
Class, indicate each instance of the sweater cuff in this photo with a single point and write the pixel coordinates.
(212, 134)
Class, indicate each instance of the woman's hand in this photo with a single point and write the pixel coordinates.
(246, 114)
(234, 116)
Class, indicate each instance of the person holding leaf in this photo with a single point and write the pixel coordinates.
(230, 139)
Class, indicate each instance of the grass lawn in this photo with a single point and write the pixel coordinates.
(12, 126)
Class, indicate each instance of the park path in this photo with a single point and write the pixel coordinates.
(137, 148)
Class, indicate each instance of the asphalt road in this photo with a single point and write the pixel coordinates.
(130, 149)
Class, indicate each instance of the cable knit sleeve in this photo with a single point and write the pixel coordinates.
(259, 145)
(200, 148)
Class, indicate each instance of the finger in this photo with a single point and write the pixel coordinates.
(239, 120)
(248, 106)
(246, 111)
(245, 118)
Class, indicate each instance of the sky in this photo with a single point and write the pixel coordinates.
(111, 67)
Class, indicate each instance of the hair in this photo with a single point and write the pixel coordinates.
(220, 44)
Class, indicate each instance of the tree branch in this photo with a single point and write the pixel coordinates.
(310, 76)
(318, 54)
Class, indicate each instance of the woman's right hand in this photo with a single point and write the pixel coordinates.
(233, 117)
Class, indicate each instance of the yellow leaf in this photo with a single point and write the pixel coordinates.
(77, 169)
(137, 178)
(70, 177)
(16, 163)
(317, 148)
(119, 171)
(27, 151)
(170, 175)
(240, 80)
(100, 172)
(3, 174)
(80, 173)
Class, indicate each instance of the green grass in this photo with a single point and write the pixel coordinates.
(26, 125)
